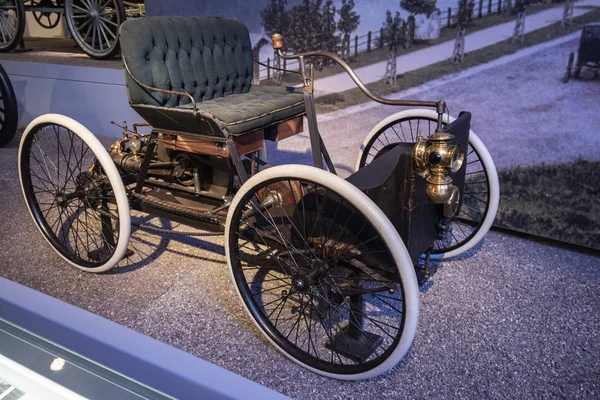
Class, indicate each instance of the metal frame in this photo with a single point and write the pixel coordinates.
(307, 71)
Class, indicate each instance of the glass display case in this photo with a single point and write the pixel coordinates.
(34, 368)
(52, 350)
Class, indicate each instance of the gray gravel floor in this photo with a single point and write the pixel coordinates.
(511, 319)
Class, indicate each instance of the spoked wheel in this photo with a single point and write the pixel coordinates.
(569, 68)
(46, 19)
(12, 23)
(481, 194)
(74, 193)
(322, 272)
(9, 115)
(94, 24)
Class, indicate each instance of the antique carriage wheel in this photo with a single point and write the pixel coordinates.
(481, 195)
(94, 24)
(74, 193)
(47, 20)
(12, 23)
(322, 272)
(9, 115)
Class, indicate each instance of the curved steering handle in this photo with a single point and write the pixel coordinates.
(277, 39)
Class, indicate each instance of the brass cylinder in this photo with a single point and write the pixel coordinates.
(439, 188)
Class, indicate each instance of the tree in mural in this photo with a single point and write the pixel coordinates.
(348, 22)
(312, 26)
(275, 19)
(328, 35)
(462, 20)
(415, 7)
(519, 32)
(394, 31)
(507, 8)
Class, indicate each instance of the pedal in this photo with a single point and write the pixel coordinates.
(128, 253)
(426, 270)
(358, 348)
(102, 253)
(422, 275)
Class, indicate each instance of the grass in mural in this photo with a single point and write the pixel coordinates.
(336, 101)
(555, 201)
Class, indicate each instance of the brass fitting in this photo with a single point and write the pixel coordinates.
(277, 40)
(435, 158)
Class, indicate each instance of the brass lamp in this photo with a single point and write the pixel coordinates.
(435, 158)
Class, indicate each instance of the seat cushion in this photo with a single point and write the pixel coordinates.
(207, 57)
(260, 107)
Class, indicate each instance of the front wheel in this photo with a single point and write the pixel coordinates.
(322, 272)
(481, 194)
(74, 193)
(9, 114)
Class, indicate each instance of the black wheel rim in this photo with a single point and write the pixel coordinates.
(45, 19)
(69, 197)
(2, 113)
(304, 263)
(476, 194)
(9, 22)
(95, 25)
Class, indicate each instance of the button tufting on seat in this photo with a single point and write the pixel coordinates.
(218, 62)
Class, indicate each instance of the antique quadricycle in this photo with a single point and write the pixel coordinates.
(324, 266)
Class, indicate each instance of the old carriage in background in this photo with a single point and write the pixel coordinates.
(326, 267)
(588, 53)
(93, 24)
(9, 114)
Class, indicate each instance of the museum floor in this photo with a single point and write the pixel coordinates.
(512, 319)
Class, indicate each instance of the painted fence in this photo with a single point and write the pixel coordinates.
(372, 39)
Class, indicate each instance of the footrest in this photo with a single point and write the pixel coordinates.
(355, 347)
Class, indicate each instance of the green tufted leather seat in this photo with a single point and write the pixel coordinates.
(211, 59)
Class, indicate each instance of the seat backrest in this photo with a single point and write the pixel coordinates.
(207, 57)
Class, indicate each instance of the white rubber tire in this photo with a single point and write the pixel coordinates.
(484, 155)
(111, 172)
(389, 234)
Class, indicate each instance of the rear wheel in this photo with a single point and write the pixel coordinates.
(481, 194)
(74, 193)
(12, 23)
(322, 272)
(95, 25)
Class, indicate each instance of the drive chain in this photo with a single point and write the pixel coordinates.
(179, 211)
